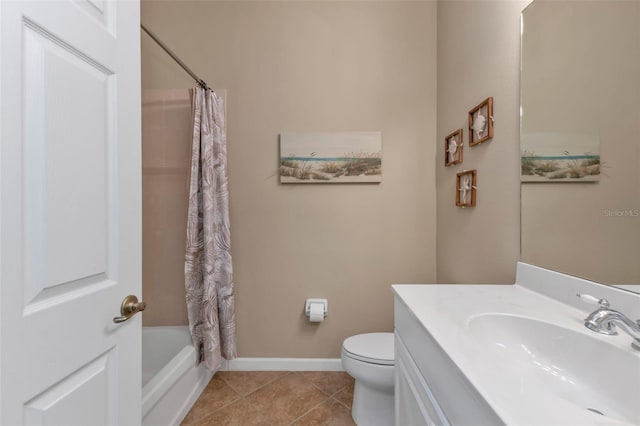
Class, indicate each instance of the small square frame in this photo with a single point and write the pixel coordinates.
(482, 117)
(453, 145)
(466, 188)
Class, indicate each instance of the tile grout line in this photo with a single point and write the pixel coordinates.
(209, 413)
(240, 396)
(326, 393)
(286, 373)
(333, 396)
(328, 397)
(310, 410)
(341, 403)
(317, 405)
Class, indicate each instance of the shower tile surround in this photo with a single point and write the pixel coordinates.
(166, 118)
(274, 398)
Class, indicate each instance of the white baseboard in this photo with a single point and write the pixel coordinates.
(283, 364)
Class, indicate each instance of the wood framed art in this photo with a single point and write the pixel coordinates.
(481, 122)
(453, 148)
(466, 188)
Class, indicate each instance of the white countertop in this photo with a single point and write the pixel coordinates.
(445, 311)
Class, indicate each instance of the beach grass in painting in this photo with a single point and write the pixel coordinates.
(584, 167)
(560, 157)
(331, 157)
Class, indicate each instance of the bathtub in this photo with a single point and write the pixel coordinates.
(171, 382)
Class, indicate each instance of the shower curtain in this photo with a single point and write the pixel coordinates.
(208, 270)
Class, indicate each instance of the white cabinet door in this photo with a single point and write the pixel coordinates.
(415, 404)
(409, 410)
(69, 211)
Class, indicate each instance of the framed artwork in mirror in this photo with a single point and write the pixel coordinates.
(567, 156)
(453, 148)
(481, 122)
(466, 188)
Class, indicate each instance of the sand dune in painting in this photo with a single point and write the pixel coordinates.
(331, 157)
(353, 167)
(560, 168)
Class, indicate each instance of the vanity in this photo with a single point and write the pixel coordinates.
(513, 354)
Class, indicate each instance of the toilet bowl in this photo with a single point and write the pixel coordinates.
(369, 359)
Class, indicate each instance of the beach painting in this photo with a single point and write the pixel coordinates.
(560, 157)
(351, 157)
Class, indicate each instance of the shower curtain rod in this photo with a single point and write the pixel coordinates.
(155, 38)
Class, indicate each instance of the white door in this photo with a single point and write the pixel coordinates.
(69, 211)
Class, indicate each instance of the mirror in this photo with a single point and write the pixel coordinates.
(580, 98)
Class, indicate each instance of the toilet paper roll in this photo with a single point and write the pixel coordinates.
(316, 312)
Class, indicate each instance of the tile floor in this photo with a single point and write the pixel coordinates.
(265, 398)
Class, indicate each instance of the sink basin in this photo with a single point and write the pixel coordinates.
(580, 367)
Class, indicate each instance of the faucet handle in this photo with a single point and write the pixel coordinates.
(587, 298)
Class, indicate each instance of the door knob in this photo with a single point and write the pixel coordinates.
(130, 306)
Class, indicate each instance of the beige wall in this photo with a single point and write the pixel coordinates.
(478, 57)
(315, 66)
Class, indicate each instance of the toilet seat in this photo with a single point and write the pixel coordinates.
(373, 348)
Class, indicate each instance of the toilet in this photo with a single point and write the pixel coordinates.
(369, 359)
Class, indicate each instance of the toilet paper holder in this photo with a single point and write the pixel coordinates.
(314, 300)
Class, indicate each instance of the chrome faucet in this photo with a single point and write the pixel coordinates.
(604, 320)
